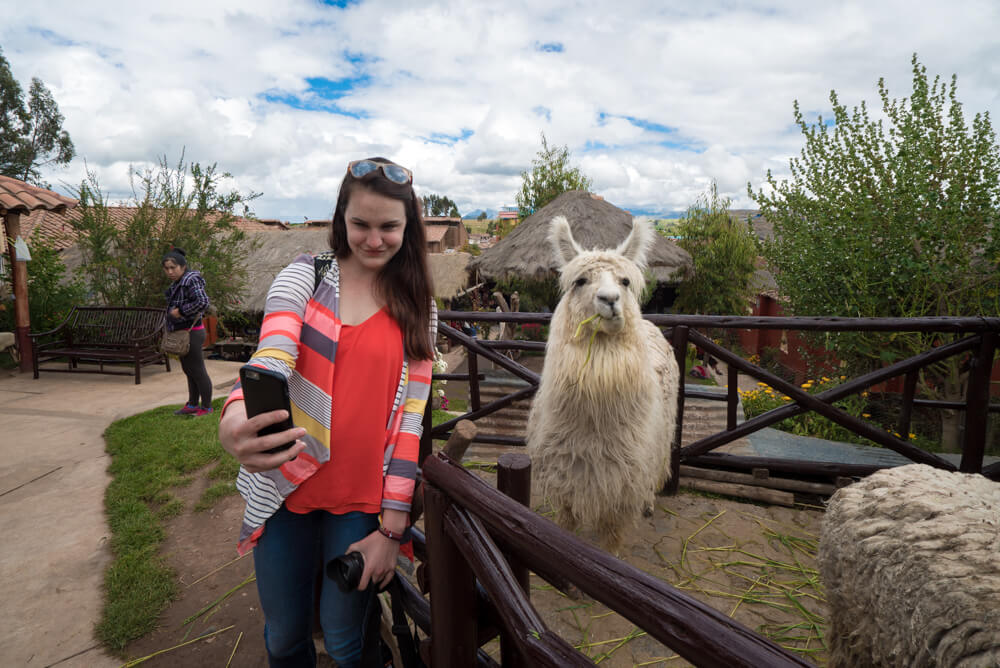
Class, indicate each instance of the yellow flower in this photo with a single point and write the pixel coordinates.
(825, 379)
(896, 434)
(866, 415)
(864, 394)
(843, 377)
(807, 385)
(787, 398)
(912, 436)
(762, 384)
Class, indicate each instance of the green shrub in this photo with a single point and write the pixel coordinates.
(50, 294)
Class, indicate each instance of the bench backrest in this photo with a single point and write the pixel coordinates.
(114, 325)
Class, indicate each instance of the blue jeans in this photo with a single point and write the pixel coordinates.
(293, 550)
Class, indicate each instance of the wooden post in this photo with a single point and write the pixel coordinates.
(977, 406)
(732, 397)
(19, 281)
(679, 342)
(426, 442)
(473, 360)
(453, 590)
(514, 480)
(906, 409)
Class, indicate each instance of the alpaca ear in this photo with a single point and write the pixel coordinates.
(637, 243)
(561, 238)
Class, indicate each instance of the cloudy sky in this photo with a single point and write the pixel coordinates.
(654, 99)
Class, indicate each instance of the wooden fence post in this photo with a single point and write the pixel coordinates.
(906, 407)
(452, 588)
(514, 480)
(679, 341)
(732, 396)
(977, 405)
(473, 362)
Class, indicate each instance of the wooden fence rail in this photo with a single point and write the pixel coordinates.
(470, 526)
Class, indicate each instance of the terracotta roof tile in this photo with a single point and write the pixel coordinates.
(19, 197)
(435, 232)
(57, 228)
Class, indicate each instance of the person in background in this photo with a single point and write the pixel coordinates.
(186, 304)
(357, 346)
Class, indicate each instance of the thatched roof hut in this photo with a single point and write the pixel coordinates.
(526, 252)
(274, 252)
(450, 273)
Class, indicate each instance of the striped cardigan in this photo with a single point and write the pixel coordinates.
(298, 339)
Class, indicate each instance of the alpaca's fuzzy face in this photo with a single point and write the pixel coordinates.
(602, 283)
(605, 283)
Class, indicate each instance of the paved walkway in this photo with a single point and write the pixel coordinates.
(53, 474)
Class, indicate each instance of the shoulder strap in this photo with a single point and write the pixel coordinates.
(405, 641)
(321, 265)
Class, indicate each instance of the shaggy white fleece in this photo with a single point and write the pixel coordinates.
(601, 424)
(910, 558)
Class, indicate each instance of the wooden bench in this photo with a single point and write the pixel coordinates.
(102, 335)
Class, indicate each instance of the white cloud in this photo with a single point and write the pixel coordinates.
(709, 90)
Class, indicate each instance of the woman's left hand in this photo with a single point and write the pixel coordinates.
(175, 312)
(380, 555)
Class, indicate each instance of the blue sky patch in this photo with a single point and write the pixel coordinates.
(544, 112)
(340, 4)
(673, 142)
(448, 140)
(334, 89)
(53, 37)
(549, 47)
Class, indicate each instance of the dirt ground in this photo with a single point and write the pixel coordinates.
(752, 562)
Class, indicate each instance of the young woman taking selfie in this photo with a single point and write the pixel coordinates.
(356, 343)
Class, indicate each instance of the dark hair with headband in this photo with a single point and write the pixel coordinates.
(404, 282)
(176, 255)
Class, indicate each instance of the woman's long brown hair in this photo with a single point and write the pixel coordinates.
(404, 282)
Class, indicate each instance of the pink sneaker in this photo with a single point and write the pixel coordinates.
(202, 411)
(189, 409)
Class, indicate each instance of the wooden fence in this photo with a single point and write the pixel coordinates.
(480, 543)
(976, 336)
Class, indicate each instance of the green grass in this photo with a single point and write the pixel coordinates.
(151, 453)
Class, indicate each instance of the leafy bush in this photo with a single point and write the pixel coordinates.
(50, 294)
(123, 266)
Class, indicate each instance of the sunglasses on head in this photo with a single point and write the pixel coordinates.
(395, 173)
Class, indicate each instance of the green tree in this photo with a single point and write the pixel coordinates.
(891, 218)
(550, 176)
(439, 205)
(482, 215)
(123, 264)
(31, 136)
(723, 253)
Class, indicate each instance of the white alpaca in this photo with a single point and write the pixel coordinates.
(601, 424)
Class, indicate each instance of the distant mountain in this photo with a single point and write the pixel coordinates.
(490, 213)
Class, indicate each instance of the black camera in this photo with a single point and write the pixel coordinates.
(346, 570)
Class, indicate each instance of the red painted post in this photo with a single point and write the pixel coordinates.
(19, 280)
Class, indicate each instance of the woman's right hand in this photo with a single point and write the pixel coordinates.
(238, 436)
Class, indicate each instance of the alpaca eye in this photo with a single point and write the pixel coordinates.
(580, 282)
(626, 282)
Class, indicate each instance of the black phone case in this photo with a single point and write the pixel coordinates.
(264, 391)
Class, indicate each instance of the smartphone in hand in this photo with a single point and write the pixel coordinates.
(264, 391)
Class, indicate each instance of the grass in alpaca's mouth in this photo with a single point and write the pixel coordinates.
(590, 344)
